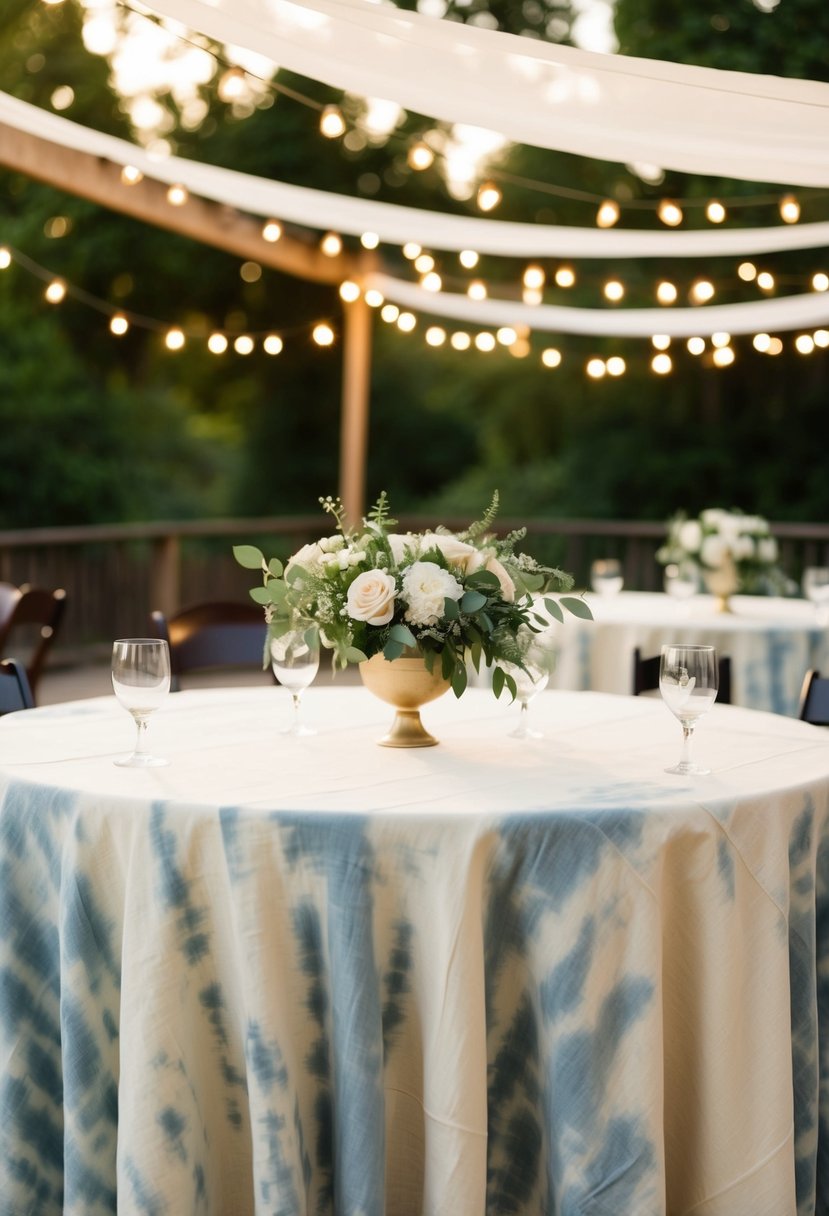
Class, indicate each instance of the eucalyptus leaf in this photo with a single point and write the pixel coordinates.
(353, 655)
(554, 609)
(275, 567)
(393, 650)
(262, 595)
(471, 601)
(249, 556)
(450, 609)
(578, 607)
(402, 633)
(482, 578)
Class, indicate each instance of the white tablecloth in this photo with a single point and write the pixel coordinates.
(319, 976)
(772, 643)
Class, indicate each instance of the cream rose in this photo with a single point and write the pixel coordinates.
(425, 586)
(458, 552)
(371, 597)
(507, 585)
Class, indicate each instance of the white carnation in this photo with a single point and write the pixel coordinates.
(713, 551)
(690, 536)
(425, 587)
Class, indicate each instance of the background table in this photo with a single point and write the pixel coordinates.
(318, 976)
(772, 642)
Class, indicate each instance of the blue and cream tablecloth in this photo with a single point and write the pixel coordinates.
(311, 976)
(772, 642)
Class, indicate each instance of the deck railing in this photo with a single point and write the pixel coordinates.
(115, 575)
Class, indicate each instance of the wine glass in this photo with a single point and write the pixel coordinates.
(606, 576)
(140, 681)
(688, 681)
(681, 580)
(816, 589)
(538, 659)
(295, 658)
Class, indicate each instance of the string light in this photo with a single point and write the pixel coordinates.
(660, 341)
(789, 209)
(411, 250)
(765, 281)
(468, 259)
(669, 213)
(695, 346)
(614, 290)
(520, 348)
(662, 364)
(820, 281)
(332, 123)
(761, 343)
(489, 196)
(118, 324)
(424, 263)
(747, 271)
(506, 335)
(565, 276)
(406, 322)
(369, 240)
(485, 342)
(531, 296)
(616, 366)
(56, 291)
(374, 298)
(273, 345)
(460, 340)
(323, 334)
(715, 212)
(476, 290)
(331, 245)
(420, 156)
(217, 344)
(720, 339)
(5, 258)
(232, 86)
(804, 344)
(389, 313)
(244, 344)
(349, 291)
(701, 291)
(174, 339)
(666, 293)
(431, 281)
(250, 272)
(775, 347)
(822, 338)
(131, 175)
(177, 195)
(534, 277)
(723, 356)
(608, 214)
(596, 368)
(435, 336)
(551, 357)
(272, 231)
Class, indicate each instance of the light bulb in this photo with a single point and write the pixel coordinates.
(177, 195)
(565, 276)
(406, 322)
(468, 259)
(435, 336)
(608, 214)
(534, 277)
(5, 258)
(701, 291)
(720, 339)
(789, 209)
(331, 245)
(489, 196)
(130, 175)
(349, 291)
(174, 339)
(662, 364)
(273, 345)
(369, 240)
(670, 213)
(389, 313)
(551, 357)
(715, 212)
(374, 298)
(747, 272)
(323, 334)
(821, 337)
(723, 356)
(596, 368)
(666, 292)
(272, 231)
(424, 263)
(614, 290)
(420, 156)
(820, 281)
(616, 366)
(660, 341)
(217, 344)
(460, 340)
(431, 281)
(761, 343)
(765, 281)
(485, 341)
(56, 291)
(804, 344)
(476, 290)
(506, 335)
(695, 346)
(332, 123)
(244, 344)
(411, 250)
(119, 324)
(232, 85)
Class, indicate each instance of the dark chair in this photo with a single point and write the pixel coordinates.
(646, 675)
(814, 699)
(212, 635)
(15, 692)
(31, 626)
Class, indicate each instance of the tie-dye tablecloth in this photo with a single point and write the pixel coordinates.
(772, 642)
(312, 976)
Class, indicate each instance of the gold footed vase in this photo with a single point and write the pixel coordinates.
(722, 584)
(405, 683)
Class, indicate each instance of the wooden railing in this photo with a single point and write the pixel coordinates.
(114, 575)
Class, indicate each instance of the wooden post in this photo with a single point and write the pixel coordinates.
(354, 411)
(165, 575)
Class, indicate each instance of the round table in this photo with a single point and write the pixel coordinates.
(318, 975)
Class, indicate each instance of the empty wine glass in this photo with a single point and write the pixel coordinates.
(295, 658)
(606, 576)
(816, 589)
(531, 679)
(688, 681)
(681, 580)
(140, 681)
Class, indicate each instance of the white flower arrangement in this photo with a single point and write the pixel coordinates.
(718, 539)
(451, 597)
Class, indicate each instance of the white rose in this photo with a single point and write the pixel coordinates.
(507, 585)
(743, 548)
(689, 536)
(767, 549)
(309, 557)
(425, 587)
(713, 551)
(371, 597)
(458, 552)
(398, 543)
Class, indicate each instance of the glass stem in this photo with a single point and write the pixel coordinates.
(141, 735)
(687, 737)
(295, 697)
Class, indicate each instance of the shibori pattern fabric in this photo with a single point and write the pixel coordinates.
(318, 977)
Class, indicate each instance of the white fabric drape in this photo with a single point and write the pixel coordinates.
(396, 225)
(757, 316)
(612, 107)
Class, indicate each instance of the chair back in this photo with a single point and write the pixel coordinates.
(646, 675)
(31, 626)
(814, 699)
(15, 692)
(212, 635)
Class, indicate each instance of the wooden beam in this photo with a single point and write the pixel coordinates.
(354, 412)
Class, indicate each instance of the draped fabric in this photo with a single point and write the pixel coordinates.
(612, 107)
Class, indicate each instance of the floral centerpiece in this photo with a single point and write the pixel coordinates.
(448, 597)
(733, 551)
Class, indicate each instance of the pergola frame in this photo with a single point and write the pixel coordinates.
(225, 228)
